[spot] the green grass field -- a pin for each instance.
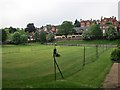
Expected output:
(31, 66)
(113, 42)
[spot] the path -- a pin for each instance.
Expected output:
(113, 78)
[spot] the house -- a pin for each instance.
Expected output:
(104, 23)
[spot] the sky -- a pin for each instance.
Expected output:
(18, 13)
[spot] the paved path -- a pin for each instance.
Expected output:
(113, 78)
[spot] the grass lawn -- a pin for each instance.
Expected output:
(114, 42)
(31, 66)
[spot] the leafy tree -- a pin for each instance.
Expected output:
(3, 35)
(50, 37)
(12, 30)
(111, 33)
(30, 28)
(86, 35)
(77, 23)
(94, 32)
(16, 38)
(66, 28)
(23, 38)
(43, 37)
(37, 36)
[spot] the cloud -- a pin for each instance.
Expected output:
(18, 13)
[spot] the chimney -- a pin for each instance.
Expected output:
(80, 20)
(101, 18)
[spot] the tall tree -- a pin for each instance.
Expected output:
(3, 35)
(111, 33)
(66, 28)
(77, 23)
(94, 32)
(12, 30)
(37, 36)
(30, 28)
(42, 37)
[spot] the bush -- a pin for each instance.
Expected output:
(94, 32)
(115, 55)
(50, 37)
(86, 35)
(16, 38)
(37, 36)
(42, 37)
(3, 35)
(111, 33)
(23, 39)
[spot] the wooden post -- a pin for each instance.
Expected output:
(84, 57)
(54, 67)
(59, 69)
(96, 51)
(55, 63)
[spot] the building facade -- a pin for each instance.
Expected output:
(105, 22)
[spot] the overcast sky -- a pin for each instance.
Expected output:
(18, 13)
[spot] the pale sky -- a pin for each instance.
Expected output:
(18, 13)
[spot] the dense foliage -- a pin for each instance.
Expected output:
(111, 33)
(30, 28)
(50, 37)
(16, 38)
(37, 36)
(3, 35)
(94, 32)
(77, 23)
(66, 28)
(42, 37)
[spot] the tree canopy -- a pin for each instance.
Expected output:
(66, 28)
(30, 28)
(94, 32)
(111, 33)
(3, 35)
(77, 23)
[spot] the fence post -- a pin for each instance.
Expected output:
(96, 51)
(106, 46)
(84, 57)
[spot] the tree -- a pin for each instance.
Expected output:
(77, 23)
(3, 35)
(23, 38)
(16, 38)
(111, 33)
(86, 35)
(66, 28)
(94, 32)
(50, 37)
(12, 30)
(30, 28)
(42, 37)
(37, 36)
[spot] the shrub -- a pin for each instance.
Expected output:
(23, 39)
(115, 55)
(111, 33)
(37, 36)
(42, 37)
(16, 38)
(50, 37)
(3, 35)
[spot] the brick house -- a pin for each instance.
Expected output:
(104, 21)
